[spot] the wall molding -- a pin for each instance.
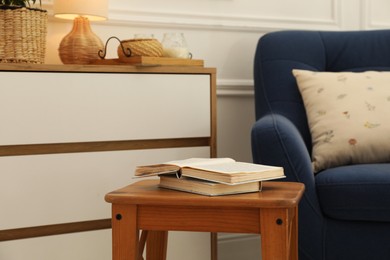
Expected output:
(233, 238)
(214, 21)
(218, 22)
(235, 87)
(367, 22)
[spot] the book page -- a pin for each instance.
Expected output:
(156, 169)
(235, 167)
(200, 162)
(175, 166)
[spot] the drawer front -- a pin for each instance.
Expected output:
(41, 107)
(62, 188)
(55, 189)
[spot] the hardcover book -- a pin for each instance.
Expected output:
(204, 187)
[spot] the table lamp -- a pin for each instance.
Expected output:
(81, 45)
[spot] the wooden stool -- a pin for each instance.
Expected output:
(273, 213)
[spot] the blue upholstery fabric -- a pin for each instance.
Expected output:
(355, 192)
(345, 211)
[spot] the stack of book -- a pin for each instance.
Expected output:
(211, 176)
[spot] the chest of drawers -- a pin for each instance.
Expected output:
(69, 134)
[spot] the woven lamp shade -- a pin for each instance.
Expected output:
(81, 45)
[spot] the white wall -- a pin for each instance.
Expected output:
(224, 33)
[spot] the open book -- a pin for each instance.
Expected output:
(221, 170)
(204, 187)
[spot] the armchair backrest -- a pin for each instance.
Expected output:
(278, 53)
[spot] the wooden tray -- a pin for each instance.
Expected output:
(150, 61)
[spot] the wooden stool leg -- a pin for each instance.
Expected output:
(294, 236)
(156, 246)
(214, 246)
(124, 232)
(277, 238)
(142, 243)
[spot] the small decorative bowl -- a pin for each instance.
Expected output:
(141, 47)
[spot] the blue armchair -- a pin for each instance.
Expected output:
(345, 211)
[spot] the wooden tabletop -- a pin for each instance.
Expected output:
(146, 192)
(25, 67)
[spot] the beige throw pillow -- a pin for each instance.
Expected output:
(348, 115)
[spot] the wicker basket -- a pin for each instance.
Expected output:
(22, 35)
(141, 47)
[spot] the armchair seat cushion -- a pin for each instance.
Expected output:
(356, 192)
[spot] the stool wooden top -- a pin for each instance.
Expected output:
(147, 192)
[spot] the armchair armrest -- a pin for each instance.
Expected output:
(276, 141)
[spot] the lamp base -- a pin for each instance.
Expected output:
(81, 45)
